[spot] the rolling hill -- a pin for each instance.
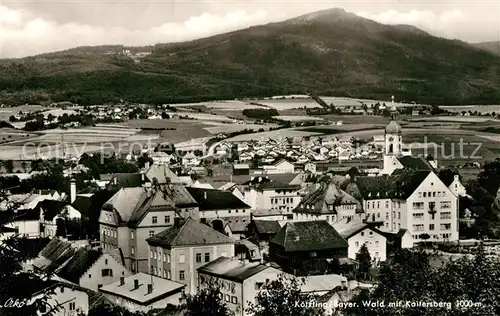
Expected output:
(493, 47)
(330, 52)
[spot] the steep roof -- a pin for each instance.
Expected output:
(190, 233)
(347, 230)
(415, 163)
(267, 227)
(212, 199)
(79, 263)
(397, 186)
(124, 180)
(53, 255)
(232, 269)
(161, 173)
(308, 236)
(237, 224)
(323, 197)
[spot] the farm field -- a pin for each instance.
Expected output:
(200, 116)
(298, 118)
(231, 128)
(289, 104)
(277, 134)
(5, 113)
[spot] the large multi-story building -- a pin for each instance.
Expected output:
(134, 214)
(178, 251)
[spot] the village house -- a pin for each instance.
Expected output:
(70, 300)
(239, 281)
(328, 202)
(219, 205)
(134, 214)
(142, 292)
(357, 234)
(305, 248)
(92, 268)
(177, 252)
(281, 166)
(262, 193)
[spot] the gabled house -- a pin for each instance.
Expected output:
(92, 268)
(358, 233)
(281, 166)
(70, 300)
(134, 214)
(52, 256)
(328, 202)
(306, 248)
(178, 251)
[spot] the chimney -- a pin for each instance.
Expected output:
(122, 281)
(344, 285)
(150, 288)
(136, 284)
(72, 190)
(178, 221)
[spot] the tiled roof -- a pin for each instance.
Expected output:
(396, 186)
(285, 178)
(53, 255)
(211, 199)
(415, 163)
(347, 230)
(161, 173)
(323, 197)
(79, 263)
(267, 227)
(124, 180)
(162, 288)
(190, 233)
(232, 269)
(308, 236)
(133, 203)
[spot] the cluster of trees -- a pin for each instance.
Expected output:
(261, 114)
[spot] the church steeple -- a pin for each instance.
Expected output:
(394, 110)
(393, 139)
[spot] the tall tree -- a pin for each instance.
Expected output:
(283, 297)
(364, 261)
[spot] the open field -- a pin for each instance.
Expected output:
(289, 103)
(5, 113)
(357, 119)
(298, 118)
(200, 116)
(277, 134)
(231, 128)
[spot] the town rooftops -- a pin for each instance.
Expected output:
(189, 233)
(162, 174)
(308, 236)
(212, 199)
(122, 180)
(266, 227)
(233, 269)
(53, 255)
(79, 263)
(347, 230)
(321, 199)
(132, 204)
(161, 288)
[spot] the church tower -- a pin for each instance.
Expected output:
(393, 138)
(393, 142)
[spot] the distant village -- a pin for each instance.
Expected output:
(265, 209)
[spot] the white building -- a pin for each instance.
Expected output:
(281, 166)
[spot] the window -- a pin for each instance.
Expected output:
(357, 244)
(105, 261)
(425, 194)
(420, 194)
(164, 257)
(227, 298)
(168, 275)
(164, 274)
(445, 215)
(434, 194)
(62, 289)
(167, 219)
(418, 227)
(399, 215)
(207, 257)
(107, 272)
(362, 234)
(72, 306)
(234, 300)
(376, 242)
(377, 254)
(387, 215)
(151, 233)
(418, 205)
(445, 204)
(168, 258)
(378, 215)
(258, 285)
(182, 258)
(156, 255)
(198, 257)
(431, 226)
(418, 216)
(181, 275)
(155, 219)
(445, 226)
(90, 276)
(371, 233)
(432, 206)
(152, 254)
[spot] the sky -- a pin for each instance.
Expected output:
(30, 27)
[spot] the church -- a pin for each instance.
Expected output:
(407, 194)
